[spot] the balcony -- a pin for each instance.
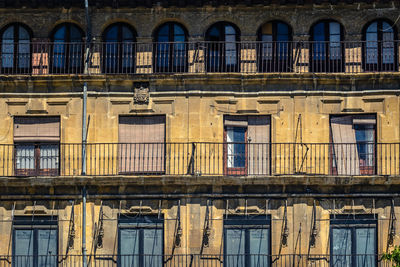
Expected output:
(201, 159)
(38, 58)
(198, 260)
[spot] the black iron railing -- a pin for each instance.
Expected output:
(207, 159)
(52, 58)
(197, 260)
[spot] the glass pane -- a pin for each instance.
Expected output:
(266, 47)
(47, 247)
(365, 247)
(214, 34)
(7, 53)
(178, 30)
(259, 247)
(373, 27)
(75, 34)
(59, 35)
(152, 247)
(319, 32)
(334, 28)
(111, 56)
(341, 247)
(25, 157)
(235, 247)
(129, 247)
(127, 34)
(9, 33)
(59, 54)
(24, 56)
(23, 248)
(112, 34)
(23, 33)
(236, 151)
(229, 30)
(49, 155)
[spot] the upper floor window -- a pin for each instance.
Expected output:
(247, 145)
(140, 240)
(380, 49)
(119, 52)
(68, 49)
(274, 47)
(35, 241)
(222, 48)
(327, 50)
(247, 241)
(353, 240)
(15, 49)
(171, 48)
(354, 146)
(142, 144)
(37, 145)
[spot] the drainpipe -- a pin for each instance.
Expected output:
(84, 130)
(84, 264)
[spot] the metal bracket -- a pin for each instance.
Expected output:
(314, 230)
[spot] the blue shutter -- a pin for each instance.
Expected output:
(235, 248)
(23, 248)
(152, 247)
(129, 247)
(259, 247)
(341, 247)
(365, 247)
(47, 247)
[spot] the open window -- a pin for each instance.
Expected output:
(36, 146)
(380, 47)
(327, 50)
(222, 48)
(35, 241)
(141, 144)
(274, 52)
(353, 240)
(354, 144)
(247, 241)
(247, 145)
(140, 241)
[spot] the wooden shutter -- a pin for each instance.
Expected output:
(33, 129)
(142, 144)
(345, 147)
(258, 134)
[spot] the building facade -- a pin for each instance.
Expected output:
(210, 133)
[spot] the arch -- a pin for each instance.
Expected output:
(171, 47)
(223, 49)
(326, 46)
(15, 39)
(379, 46)
(274, 47)
(67, 49)
(119, 51)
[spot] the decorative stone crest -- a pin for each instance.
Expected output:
(141, 95)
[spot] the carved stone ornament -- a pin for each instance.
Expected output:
(141, 95)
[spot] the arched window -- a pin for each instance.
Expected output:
(15, 49)
(222, 48)
(274, 49)
(119, 51)
(68, 49)
(327, 50)
(171, 48)
(380, 50)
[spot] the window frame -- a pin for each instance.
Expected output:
(120, 48)
(326, 64)
(219, 47)
(247, 222)
(170, 66)
(363, 169)
(379, 66)
(16, 68)
(352, 221)
(153, 221)
(36, 171)
(276, 64)
(67, 44)
(235, 170)
(34, 223)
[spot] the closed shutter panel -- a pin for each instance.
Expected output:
(345, 148)
(259, 137)
(259, 247)
(47, 247)
(142, 144)
(23, 248)
(152, 247)
(33, 129)
(129, 248)
(235, 247)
